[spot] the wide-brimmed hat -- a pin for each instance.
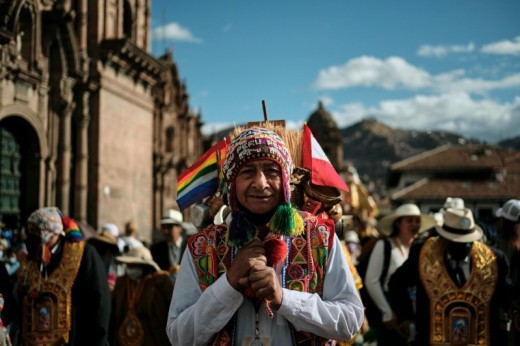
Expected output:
(138, 255)
(172, 217)
(105, 237)
(459, 226)
(510, 210)
(385, 225)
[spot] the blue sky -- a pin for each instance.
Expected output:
(427, 65)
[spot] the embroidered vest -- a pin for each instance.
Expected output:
(458, 316)
(308, 256)
(47, 306)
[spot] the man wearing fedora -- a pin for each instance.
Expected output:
(168, 252)
(460, 284)
(140, 301)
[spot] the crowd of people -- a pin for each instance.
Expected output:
(267, 273)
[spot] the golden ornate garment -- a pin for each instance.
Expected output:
(47, 305)
(458, 316)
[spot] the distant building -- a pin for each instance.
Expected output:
(89, 120)
(484, 176)
(326, 131)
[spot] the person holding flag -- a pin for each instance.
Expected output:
(270, 274)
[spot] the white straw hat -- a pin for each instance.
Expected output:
(385, 225)
(172, 217)
(459, 226)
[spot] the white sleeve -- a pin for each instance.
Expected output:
(339, 314)
(195, 316)
(372, 283)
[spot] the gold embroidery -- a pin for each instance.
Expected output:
(459, 316)
(47, 306)
(131, 331)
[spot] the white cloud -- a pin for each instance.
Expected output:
(504, 47)
(440, 50)
(209, 129)
(395, 72)
(392, 73)
(483, 119)
(475, 85)
(174, 31)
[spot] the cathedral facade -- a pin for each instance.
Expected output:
(90, 121)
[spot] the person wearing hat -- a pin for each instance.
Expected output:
(270, 274)
(508, 227)
(459, 280)
(106, 245)
(63, 291)
(168, 252)
(140, 301)
(398, 230)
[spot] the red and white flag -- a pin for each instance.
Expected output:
(315, 160)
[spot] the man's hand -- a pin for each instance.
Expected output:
(265, 284)
(244, 260)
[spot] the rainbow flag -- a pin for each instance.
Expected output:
(201, 179)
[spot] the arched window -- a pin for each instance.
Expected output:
(24, 36)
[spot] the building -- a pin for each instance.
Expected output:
(327, 133)
(483, 176)
(90, 121)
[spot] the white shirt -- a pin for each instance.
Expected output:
(374, 270)
(195, 317)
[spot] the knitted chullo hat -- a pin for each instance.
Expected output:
(251, 145)
(51, 221)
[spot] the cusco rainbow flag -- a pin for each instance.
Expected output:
(201, 179)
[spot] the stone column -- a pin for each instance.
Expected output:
(65, 145)
(82, 161)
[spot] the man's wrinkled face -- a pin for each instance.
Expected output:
(258, 186)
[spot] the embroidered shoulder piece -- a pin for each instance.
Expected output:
(459, 315)
(47, 306)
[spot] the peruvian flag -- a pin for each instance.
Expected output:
(315, 160)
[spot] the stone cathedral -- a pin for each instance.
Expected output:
(90, 121)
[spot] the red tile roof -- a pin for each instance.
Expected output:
(428, 189)
(456, 158)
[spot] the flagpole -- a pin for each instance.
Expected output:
(264, 108)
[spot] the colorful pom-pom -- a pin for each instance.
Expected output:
(275, 251)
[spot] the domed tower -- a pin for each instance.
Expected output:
(327, 133)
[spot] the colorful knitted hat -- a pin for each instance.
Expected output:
(51, 221)
(259, 144)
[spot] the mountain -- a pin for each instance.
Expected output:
(372, 146)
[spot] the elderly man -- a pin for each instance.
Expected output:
(64, 291)
(461, 283)
(269, 275)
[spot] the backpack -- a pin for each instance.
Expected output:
(372, 312)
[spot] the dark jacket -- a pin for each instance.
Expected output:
(161, 255)
(91, 300)
(407, 276)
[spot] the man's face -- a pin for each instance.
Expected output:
(258, 186)
(171, 232)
